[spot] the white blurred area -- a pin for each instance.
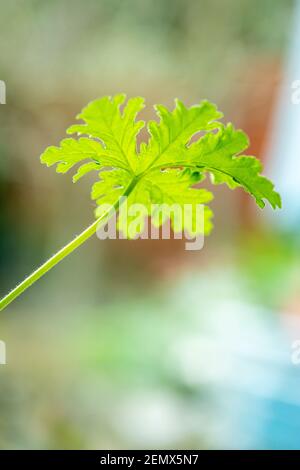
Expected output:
(227, 362)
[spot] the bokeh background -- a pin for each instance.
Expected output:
(141, 344)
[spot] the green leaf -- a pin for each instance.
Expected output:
(110, 187)
(70, 153)
(116, 129)
(175, 187)
(217, 153)
(184, 145)
(170, 189)
(169, 137)
(84, 169)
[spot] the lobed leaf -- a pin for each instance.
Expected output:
(217, 153)
(169, 137)
(117, 130)
(183, 146)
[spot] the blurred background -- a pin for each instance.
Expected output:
(141, 344)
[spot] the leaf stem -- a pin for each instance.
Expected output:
(66, 250)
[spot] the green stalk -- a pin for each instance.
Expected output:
(66, 250)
